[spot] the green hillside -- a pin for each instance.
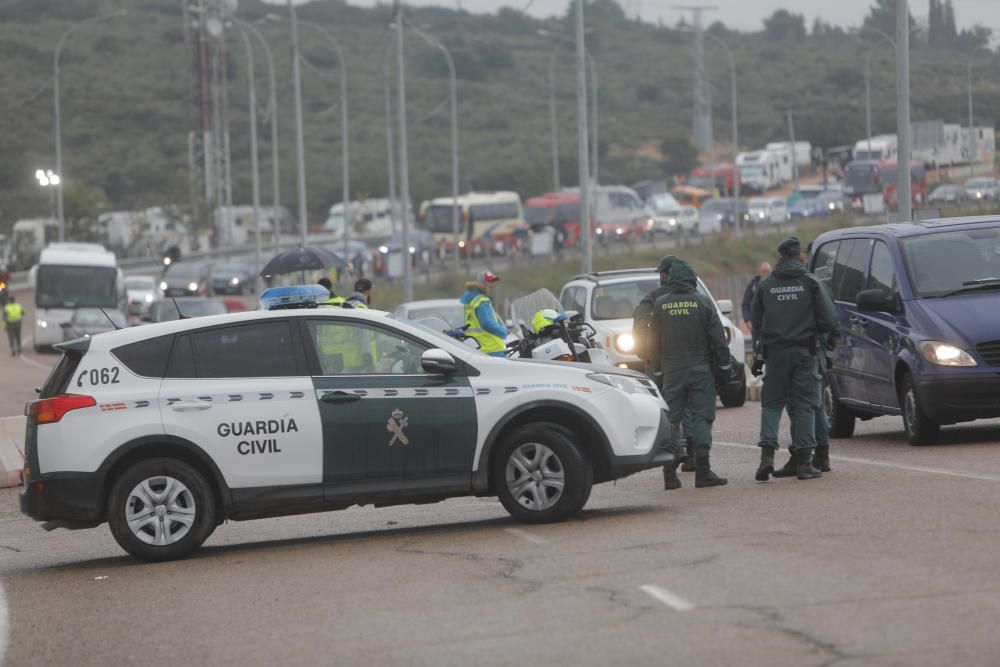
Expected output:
(126, 110)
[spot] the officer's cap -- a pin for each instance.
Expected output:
(785, 247)
(487, 277)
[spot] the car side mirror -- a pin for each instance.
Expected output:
(726, 306)
(873, 301)
(438, 362)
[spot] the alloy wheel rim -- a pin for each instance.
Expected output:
(535, 476)
(160, 510)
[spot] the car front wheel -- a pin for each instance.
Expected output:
(161, 509)
(541, 474)
(920, 430)
(840, 417)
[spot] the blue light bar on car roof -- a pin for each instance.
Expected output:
(293, 296)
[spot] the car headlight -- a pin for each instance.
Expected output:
(148, 298)
(461, 244)
(167, 261)
(626, 383)
(193, 287)
(599, 231)
(624, 343)
(42, 324)
(728, 333)
(383, 249)
(672, 222)
(235, 281)
(945, 354)
(412, 250)
(163, 285)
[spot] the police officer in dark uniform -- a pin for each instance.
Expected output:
(641, 317)
(688, 346)
(790, 310)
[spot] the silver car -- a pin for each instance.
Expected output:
(982, 188)
(141, 291)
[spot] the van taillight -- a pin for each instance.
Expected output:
(51, 410)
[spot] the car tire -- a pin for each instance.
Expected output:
(536, 453)
(186, 515)
(840, 418)
(920, 430)
(734, 397)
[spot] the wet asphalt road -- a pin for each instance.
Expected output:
(890, 559)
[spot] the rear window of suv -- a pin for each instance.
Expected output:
(146, 358)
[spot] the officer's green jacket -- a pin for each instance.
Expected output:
(791, 307)
(685, 330)
(643, 314)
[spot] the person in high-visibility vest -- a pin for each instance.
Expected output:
(334, 300)
(484, 325)
(13, 313)
(362, 296)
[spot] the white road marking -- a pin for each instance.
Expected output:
(4, 623)
(675, 602)
(525, 535)
(889, 464)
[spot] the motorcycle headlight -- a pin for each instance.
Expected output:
(945, 354)
(624, 343)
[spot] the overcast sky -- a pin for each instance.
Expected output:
(740, 14)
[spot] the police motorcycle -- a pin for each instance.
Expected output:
(544, 331)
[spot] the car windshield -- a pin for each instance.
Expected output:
(453, 314)
(536, 215)
(717, 205)
(438, 219)
(978, 183)
(945, 262)
(166, 311)
(140, 283)
(184, 271)
(617, 300)
(226, 269)
(664, 200)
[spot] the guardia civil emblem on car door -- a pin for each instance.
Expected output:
(397, 422)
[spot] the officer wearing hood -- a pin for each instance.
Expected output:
(687, 345)
(790, 310)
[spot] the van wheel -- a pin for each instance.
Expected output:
(839, 416)
(920, 430)
(541, 474)
(734, 397)
(161, 509)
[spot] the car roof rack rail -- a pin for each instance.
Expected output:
(596, 275)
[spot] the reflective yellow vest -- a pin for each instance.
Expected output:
(488, 343)
(13, 312)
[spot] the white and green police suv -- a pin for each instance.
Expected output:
(166, 430)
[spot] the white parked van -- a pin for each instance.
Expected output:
(765, 210)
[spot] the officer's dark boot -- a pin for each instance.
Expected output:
(821, 458)
(790, 469)
(670, 479)
(766, 467)
(703, 475)
(805, 469)
(689, 465)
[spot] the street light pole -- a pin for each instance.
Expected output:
(553, 123)
(300, 151)
(868, 100)
(404, 164)
(254, 171)
(903, 135)
(58, 113)
(453, 91)
(390, 140)
(581, 133)
(273, 112)
(735, 124)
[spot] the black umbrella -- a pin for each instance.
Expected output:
(302, 259)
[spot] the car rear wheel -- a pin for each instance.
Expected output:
(161, 509)
(541, 474)
(920, 430)
(840, 417)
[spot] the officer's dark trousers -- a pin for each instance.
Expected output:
(819, 416)
(14, 337)
(690, 395)
(789, 379)
(685, 419)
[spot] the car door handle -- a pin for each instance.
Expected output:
(340, 397)
(191, 405)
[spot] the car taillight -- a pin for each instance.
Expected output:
(51, 410)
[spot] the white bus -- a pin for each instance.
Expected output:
(69, 276)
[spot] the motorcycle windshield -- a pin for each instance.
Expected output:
(523, 308)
